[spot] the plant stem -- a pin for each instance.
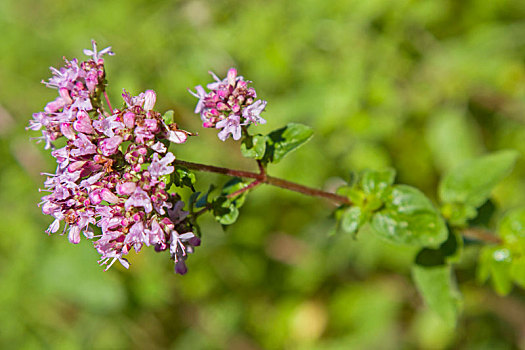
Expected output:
(263, 178)
(255, 183)
(481, 235)
(269, 180)
(109, 103)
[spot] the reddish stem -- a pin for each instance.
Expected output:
(263, 178)
(242, 190)
(107, 101)
(481, 235)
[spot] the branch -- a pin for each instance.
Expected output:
(107, 101)
(481, 235)
(262, 177)
(244, 189)
(269, 180)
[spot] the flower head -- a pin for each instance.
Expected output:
(229, 105)
(109, 172)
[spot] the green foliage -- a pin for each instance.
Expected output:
(512, 230)
(398, 213)
(377, 183)
(409, 217)
(469, 185)
(495, 262)
(371, 78)
(448, 252)
(367, 192)
(351, 219)
(432, 273)
(438, 290)
(168, 117)
(226, 210)
(183, 177)
(282, 141)
(505, 262)
(254, 146)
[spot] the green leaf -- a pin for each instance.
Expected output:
(283, 141)
(438, 290)
(377, 182)
(512, 229)
(471, 182)
(226, 210)
(351, 219)
(254, 146)
(409, 218)
(495, 262)
(168, 117)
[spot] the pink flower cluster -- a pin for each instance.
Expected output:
(229, 106)
(113, 170)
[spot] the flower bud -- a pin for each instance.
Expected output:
(232, 75)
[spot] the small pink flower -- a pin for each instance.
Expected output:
(67, 131)
(159, 167)
(126, 188)
(139, 199)
(129, 120)
(109, 146)
(83, 123)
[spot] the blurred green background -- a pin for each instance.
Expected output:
(417, 85)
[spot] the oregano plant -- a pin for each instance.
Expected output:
(119, 183)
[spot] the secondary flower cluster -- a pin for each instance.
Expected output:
(229, 105)
(112, 171)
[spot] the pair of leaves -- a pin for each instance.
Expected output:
(463, 190)
(398, 213)
(404, 215)
(367, 194)
(276, 145)
(469, 185)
